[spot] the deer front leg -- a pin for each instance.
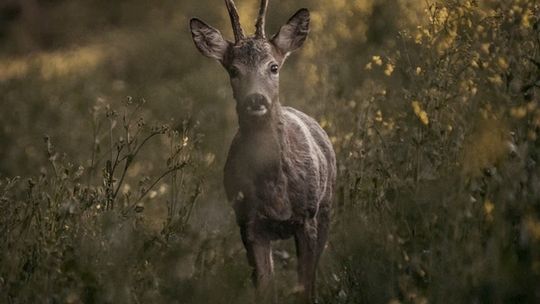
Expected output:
(307, 253)
(259, 255)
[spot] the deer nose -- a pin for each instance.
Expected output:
(256, 104)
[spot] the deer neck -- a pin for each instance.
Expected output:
(262, 142)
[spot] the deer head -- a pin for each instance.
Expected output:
(253, 62)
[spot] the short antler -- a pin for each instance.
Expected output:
(259, 26)
(235, 21)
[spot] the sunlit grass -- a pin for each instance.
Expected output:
(50, 65)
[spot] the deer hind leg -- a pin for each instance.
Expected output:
(259, 255)
(308, 256)
(323, 227)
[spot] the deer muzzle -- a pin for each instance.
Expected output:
(256, 105)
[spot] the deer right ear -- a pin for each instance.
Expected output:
(208, 40)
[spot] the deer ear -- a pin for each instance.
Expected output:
(292, 35)
(208, 40)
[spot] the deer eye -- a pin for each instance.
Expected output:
(234, 72)
(274, 68)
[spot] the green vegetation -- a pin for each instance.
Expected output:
(114, 133)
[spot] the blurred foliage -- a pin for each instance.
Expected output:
(432, 106)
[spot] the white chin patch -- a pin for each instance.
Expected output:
(259, 112)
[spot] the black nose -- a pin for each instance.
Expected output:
(256, 101)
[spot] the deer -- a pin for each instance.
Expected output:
(280, 171)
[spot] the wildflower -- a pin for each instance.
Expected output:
(503, 64)
(368, 66)
(377, 60)
(442, 15)
(488, 208)
(526, 18)
(421, 114)
(496, 79)
(518, 112)
(378, 116)
(485, 48)
(389, 69)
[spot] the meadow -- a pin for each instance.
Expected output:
(114, 133)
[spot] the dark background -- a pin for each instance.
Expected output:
(432, 108)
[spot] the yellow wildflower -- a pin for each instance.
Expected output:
(496, 79)
(421, 114)
(378, 116)
(488, 207)
(368, 66)
(503, 64)
(389, 69)
(526, 19)
(518, 112)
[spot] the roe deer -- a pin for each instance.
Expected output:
(281, 168)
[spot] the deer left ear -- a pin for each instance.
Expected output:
(292, 35)
(208, 40)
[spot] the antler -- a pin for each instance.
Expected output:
(235, 20)
(259, 26)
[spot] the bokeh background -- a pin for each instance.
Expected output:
(114, 131)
